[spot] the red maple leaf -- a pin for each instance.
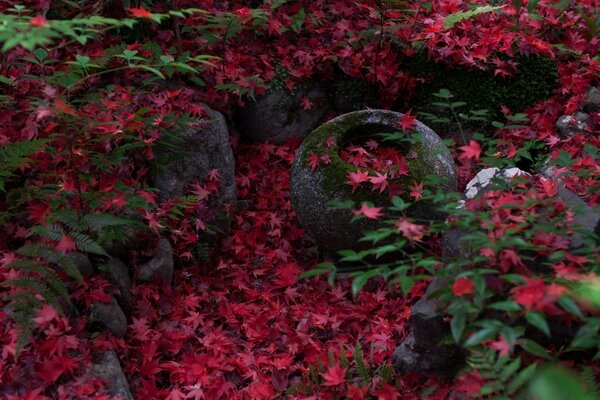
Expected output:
(369, 212)
(334, 376)
(416, 190)
(407, 121)
(306, 103)
(531, 293)
(462, 286)
(65, 244)
(501, 345)
(46, 314)
(313, 161)
(356, 178)
(387, 392)
(330, 142)
(39, 21)
(379, 181)
(412, 232)
(472, 150)
(140, 13)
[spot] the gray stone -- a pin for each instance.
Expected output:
(280, 116)
(569, 125)
(118, 273)
(587, 219)
(160, 265)
(192, 154)
(591, 103)
(487, 176)
(421, 352)
(107, 367)
(132, 236)
(453, 245)
(82, 262)
(312, 191)
(110, 316)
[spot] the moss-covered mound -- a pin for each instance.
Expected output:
(312, 190)
(534, 80)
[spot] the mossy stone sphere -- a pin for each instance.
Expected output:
(312, 190)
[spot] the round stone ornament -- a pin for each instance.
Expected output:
(313, 189)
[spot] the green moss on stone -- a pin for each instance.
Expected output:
(335, 175)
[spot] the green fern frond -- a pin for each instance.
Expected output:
(34, 250)
(26, 264)
(98, 222)
(70, 220)
(343, 358)
(87, 244)
(361, 367)
(66, 264)
(459, 16)
(57, 285)
(52, 232)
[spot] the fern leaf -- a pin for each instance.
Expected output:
(52, 232)
(87, 244)
(459, 16)
(361, 368)
(57, 285)
(66, 264)
(98, 222)
(343, 358)
(521, 379)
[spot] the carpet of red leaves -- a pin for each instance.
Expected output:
(247, 330)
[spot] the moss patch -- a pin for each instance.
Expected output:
(534, 81)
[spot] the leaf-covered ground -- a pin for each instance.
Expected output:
(245, 330)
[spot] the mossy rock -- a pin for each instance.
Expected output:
(535, 79)
(312, 191)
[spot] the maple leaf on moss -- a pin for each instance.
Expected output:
(356, 178)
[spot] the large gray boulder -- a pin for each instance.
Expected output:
(110, 316)
(161, 264)
(188, 157)
(107, 368)
(312, 190)
(279, 115)
(422, 351)
(118, 273)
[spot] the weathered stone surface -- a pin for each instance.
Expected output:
(110, 316)
(421, 351)
(280, 116)
(82, 262)
(312, 191)
(591, 103)
(486, 176)
(133, 236)
(569, 125)
(587, 219)
(160, 265)
(194, 152)
(107, 367)
(118, 273)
